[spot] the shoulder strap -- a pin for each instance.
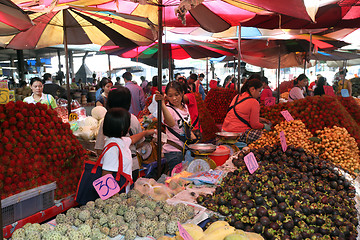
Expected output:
(236, 114)
(120, 168)
(176, 112)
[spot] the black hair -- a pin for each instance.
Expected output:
(127, 76)
(104, 81)
(35, 79)
(116, 122)
(256, 83)
(94, 75)
(300, 78)
(119, 97)
(193, 76)
(47, 76)
(142, 78)
(202, 75)
(226, 80)
(254, 76)
(321, 81)
(117, 78)
(154, 81)
(264, 80)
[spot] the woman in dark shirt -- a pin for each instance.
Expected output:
(319, 90)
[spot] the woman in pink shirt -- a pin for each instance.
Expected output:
(266, 92)
(244, 113)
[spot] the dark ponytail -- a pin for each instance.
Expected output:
(256, 83)
(299, 78)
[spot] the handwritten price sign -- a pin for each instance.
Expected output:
(329, 90)
(287, 115)
(283, 141)
(251, 163)
(183, 233)
(106, 186)
(269, 101)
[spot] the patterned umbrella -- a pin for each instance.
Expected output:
(12, 19)
(83, 27)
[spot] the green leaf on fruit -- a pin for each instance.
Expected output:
(315, 139)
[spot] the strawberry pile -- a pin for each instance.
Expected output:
(37, 148)
(207, 122)
(218, 101)
(316, 112)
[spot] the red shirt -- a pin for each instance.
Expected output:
(248, 110)
(193, 109)
(266, 92)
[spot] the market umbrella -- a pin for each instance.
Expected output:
(214, 15)
(84, 27)
(334, 56)
(12, 19)
(341, 14)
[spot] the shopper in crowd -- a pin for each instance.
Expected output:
(297, 92)
(344, 83)
(154, 83)
(177, 75)
(120, 97)
(244, 113)
(52, 88)
(37, 95)
(266, 92)
(137, 94)
(198, 86)
(116, 127)
(176, 118)
(319, 90)
(106, 87)
(117, 83)
(190, 101)
(100, 87)
(144, 84)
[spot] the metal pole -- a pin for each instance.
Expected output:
(160, 64)
(278, 76)
(20, 57)
(109, 64)
(207, 74)
(239, 57)
(305, 63)
(170, 63)
(1, 223)
(67, 63)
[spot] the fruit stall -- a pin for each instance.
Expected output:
(298, 181)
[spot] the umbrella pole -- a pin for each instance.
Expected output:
(109, 61)
(278, 77)
(170, 66)
(67, 64)
(207, 74)
(239, 57)
(159, 83)
(305, 63)
(1, 223)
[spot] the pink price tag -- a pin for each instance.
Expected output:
(183, 233)
(269, 101)
(287, 115)
(329, 90)
(251, 163)
(106, 186)
(283, 141)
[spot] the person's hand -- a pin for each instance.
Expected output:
(150, 132)
(159, 96)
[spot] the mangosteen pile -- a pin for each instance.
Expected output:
(292, 195)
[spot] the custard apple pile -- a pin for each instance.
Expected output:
(130, 215)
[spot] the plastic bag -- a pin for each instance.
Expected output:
(156, 191)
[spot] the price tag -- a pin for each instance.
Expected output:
(183, 233)
(4, 95)
(283, 141)
(73, 117)
(4, 84)
(251, 163)
(345, 93)
(12, 95)
(269, 101)
(106, 186)
(329, 90)
(287, 115)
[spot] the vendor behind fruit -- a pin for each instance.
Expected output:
(244, 113)
(37, 95)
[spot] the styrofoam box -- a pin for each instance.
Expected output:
(27, 203)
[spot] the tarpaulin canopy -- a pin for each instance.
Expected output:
(12, 19)
(84, 27)
(334, 56)
(212, 15)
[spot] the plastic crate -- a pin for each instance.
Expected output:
(27, 203)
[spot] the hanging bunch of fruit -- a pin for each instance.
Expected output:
(218, 101)
(286, 86)
(336, 144)
(37, 148)
(352, 107)
(292, 195)
(355, 82)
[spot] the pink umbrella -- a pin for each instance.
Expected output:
(12, 19)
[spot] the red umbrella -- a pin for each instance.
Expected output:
(12, 19)
(339, 15)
